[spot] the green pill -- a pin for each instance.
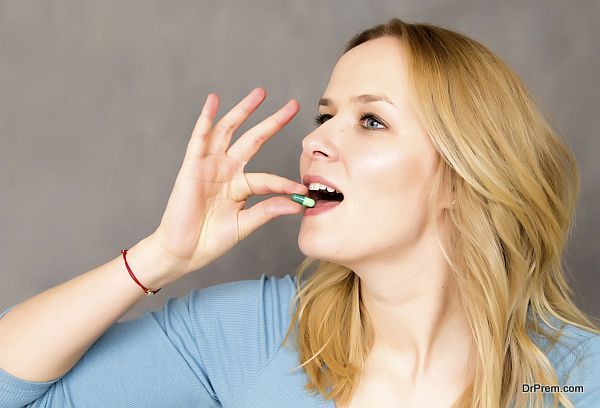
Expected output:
(302, 199)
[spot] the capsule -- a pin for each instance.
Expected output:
(302, 199)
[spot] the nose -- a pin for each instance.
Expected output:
(317, 145)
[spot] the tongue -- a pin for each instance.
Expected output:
(326, 203)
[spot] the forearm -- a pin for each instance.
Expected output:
(43, 337)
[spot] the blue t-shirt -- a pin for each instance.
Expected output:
(220, 347)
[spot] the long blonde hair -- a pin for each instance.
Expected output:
(515, 186)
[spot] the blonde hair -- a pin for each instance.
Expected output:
(515, 186)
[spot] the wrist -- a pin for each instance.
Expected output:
(152, 265)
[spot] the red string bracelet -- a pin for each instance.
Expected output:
(146, 290)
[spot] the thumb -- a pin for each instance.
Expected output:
(250, 219)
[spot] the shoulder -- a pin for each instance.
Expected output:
(247, 289)
(575, 345)
(584, 346)
(238, 327)
(252, 301)
(247, 317)
(576, 359)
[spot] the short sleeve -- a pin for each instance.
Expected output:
(205, 349)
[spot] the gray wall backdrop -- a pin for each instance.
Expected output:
(98, 100)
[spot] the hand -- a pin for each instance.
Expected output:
(205, 215)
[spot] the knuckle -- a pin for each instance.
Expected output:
(230, 126)
(258, 138)
(277, 120)
(261, 138)
(226, 127)
(246, 109)
(267, 211)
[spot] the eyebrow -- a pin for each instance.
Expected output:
(365, 98)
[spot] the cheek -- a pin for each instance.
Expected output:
(391, 187)
(390, 175)
(391, 211)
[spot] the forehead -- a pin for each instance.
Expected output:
(374, 67)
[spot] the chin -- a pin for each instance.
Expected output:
(312, 248)
(319, 250)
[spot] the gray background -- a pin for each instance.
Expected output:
(98, 100)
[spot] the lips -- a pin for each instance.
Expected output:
(321, 207)
(323, 203)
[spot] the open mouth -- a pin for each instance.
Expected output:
(324, 195)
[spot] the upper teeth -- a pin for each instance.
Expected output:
(319, 186)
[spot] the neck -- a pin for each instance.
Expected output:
(417, 315)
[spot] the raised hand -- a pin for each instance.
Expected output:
(205, 215)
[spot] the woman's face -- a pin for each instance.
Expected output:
(380, 165)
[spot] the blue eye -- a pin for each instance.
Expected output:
(321, 117)
(371, 116)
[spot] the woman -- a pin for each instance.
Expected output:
(439, 280)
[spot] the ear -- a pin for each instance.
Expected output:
(451, 206)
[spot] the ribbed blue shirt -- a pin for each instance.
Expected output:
(220, 347)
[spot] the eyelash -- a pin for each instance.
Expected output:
(319, 119)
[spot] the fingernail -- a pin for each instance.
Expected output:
(301, 189)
